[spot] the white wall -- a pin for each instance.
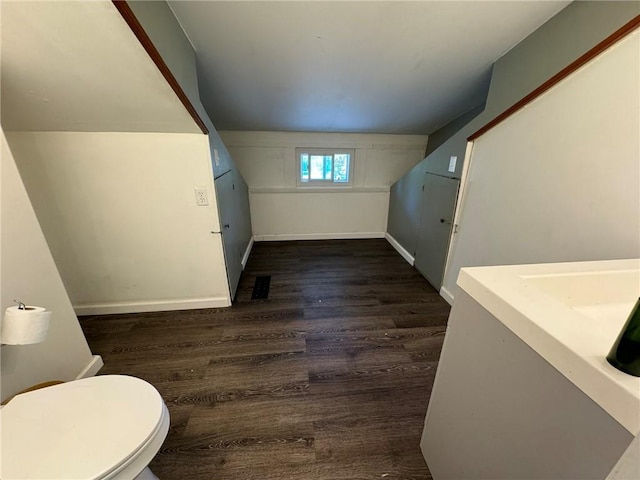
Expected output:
(119, 213)
(559, 180)
(28, 273)
(280, 210)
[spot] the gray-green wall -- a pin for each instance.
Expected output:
(561, 40)
(572, 32)
(441, 135)
(404, 208)
(167, 36)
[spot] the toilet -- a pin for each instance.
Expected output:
(105, 427)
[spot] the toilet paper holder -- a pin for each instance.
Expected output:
(24, 325)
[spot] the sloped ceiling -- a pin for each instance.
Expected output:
(330, 66)
(76, 66)
(341, 66)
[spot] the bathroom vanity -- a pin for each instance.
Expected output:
(523, 389)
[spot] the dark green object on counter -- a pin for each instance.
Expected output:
(625, 353)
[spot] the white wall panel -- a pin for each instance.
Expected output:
(120, 215)
(279, 216)
(279, 208)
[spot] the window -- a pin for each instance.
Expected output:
(325, 167)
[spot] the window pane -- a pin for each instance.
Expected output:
(324, 166)
(328, 167)
(304, 167)
(316, 167)
(341, 167)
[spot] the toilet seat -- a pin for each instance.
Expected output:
(94, 428)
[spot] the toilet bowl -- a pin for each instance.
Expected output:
(105, 427)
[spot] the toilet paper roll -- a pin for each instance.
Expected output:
(24, 326)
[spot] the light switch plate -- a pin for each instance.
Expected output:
(452, 164)
(216, 157)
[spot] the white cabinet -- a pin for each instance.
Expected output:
(513, 397)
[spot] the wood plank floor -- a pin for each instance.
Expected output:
(328, 378)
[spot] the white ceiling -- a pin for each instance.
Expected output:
(77, 66)
(341, 66)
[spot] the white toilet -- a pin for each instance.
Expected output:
(106, 427)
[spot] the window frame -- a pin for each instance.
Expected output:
(324, 151)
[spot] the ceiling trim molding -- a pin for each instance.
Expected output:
(135, 26)
(612, 39)
(332, 190)
(371, 141)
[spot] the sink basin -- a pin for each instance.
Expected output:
(591, 289)
(605, 297)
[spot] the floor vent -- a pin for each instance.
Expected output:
(261, 288)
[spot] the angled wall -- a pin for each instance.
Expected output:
(553, 46)
(28, 273)
(559, 181)
(557, 43)
(164, 30)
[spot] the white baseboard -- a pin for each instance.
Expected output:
(316, 236)
(447, 295)
(157, 306)
(400, 249)
(247, 252)
(91, 368)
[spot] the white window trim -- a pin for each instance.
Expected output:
(324, 183)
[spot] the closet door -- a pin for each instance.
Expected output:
(225, 193)
(438, 207)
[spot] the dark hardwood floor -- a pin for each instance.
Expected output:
(328, 378)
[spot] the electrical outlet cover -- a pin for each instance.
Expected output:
(202, 198)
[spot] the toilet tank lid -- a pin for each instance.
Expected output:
(81, 429)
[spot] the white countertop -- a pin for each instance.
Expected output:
(570, 314)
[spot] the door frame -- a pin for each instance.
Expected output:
(464, 178)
